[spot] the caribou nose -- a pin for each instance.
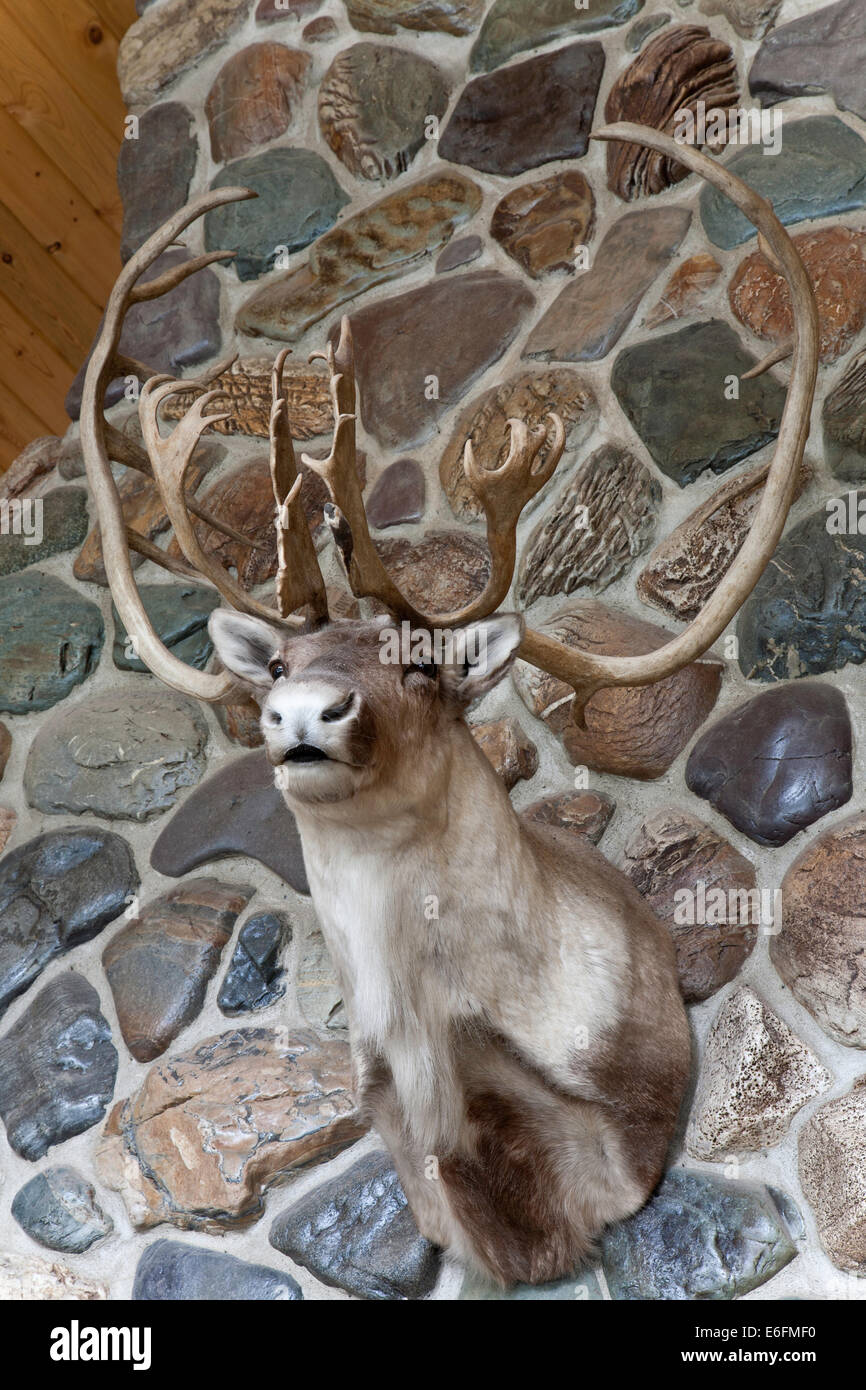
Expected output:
(338, 710)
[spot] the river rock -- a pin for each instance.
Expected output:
(237, 810)
(380, 243)
(168, 39)
(255, 977)
(212, 1128)
(820, 52)
(700, 1237)
(27, 1279)
(821, 948)
(807, 610)
(122, 756)
(674, 391)
(512, 26)
(460, 252)
(835, 259)
(58, 1209)
(593, 528)
(171, 1271)
(50, 641)
(55, 523)
(684, 291)
(833, 1175)
(643, 28)
(820, 171)
(579, 1288)
(158, 967)
(531, 396)
(844, 420)
(317, 988)
(57, 1067)
(320, 30)
(385, 16)
(270, 11)
(439, 573)
(154, 171)
(635, 731)
(356, 1232)
(531, 113)
(542, 224)
(418, 353)
(255, 96)
(580, 813)
(178, 614)
(777, 763)
(57, 891)
(398, 496)
(756, 1075)
(510, 752)
(593, 311)
(271, 226)
(681, 866)
(750, 18)
(374, 103)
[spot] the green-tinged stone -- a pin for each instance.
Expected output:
(513, 26)
(178, 614)
(52, 524)
(50, 641)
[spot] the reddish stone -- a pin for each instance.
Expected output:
(685, 289)
(254, 98)
(542, 224)
(510, 752)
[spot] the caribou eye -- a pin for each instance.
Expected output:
(277, 670)
(425, 668)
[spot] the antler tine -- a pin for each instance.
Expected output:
(115, 544)
(587, 672)
(299, 580)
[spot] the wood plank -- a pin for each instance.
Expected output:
(74, 42)
(32, 370)
(59, 122)
(18, 426)
(49, 205)
(118, 15)
(38, 287)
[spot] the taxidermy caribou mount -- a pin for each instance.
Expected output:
(522, 1047)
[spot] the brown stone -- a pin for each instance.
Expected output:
(750, 18)
(594, 309)
(158, 967)
(530, 396)
(684, 291)
(835, 259)
(443, 571)
(542, 224)
(678, 68)
(254, 98)
(673, 853)
(240, 723)
(508, 749)
(686, 567)
(8, 819)
(581, 813)
(5, 748)
(593, 528)
(820, 952)
(320, 30)
(844, 421)
(212, 1128)
(460, 252)
(32, 466)
(374, 103)
(398, 496)
(632, 731)
(416, 354)
(247, 386)
(169, 38)
(384, 16)
(832, 1162)
(388, 239)
(143, 511)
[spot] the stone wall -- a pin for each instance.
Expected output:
(172, 1032)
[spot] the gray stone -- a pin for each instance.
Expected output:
(57, 891)
(255, 977)
(643, 27)
(61, 519)
(529, 114)
(672, 388)
(178, 614)
(154, 171)
(750, 18)
(298, 199)
(57, 1067)
(700, 1238)
(580, 1288)
(398, 495)
(317, 987)
(170, 1270)
(118, 756)
(593, 311)
(844, 420)
(807, 612)
(170, 38)
(460, 252)
(384, 16)
(58, 1208)
(237, 810)
(50, 641)
(824, 51)
(512, 26)
(819, 171)
(357, 1233)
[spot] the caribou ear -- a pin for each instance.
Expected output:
(244, 645)
(484, 653)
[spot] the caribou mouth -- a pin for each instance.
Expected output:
(306, 753)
